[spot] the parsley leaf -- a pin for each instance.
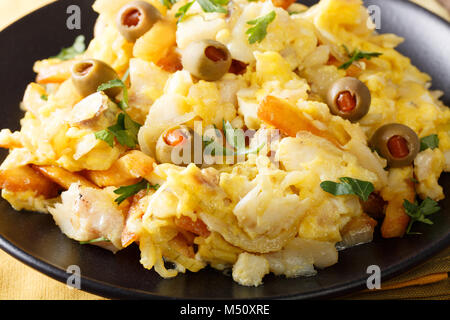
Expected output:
(125, 130)
(126, 75)
(213, 5)
(236, 138)
(430, 142)
(168, 3)
(76, 49)
(44, 97)
(212, 146)
(129, 191)
(420, 212)
(362, 189)
(258, 32)
(114, 84)
(183, 10)
(101, 239)
(357, 55)
(106, 136)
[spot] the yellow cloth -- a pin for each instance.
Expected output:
(429, 280)
(18, 281)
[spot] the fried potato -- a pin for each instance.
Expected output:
(138, 206)
(53, 71)
(156, 43)
(284, 116)
(32, 100)
(63, 177)
(10, 140)
(25, 179)
(170, 62)
(396, 220)
(198, 227)
(127, 170)
(283, 3)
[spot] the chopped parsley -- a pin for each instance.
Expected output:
(115, 84)
(419, 213)
(126, 75)
(429, 142)
(101, 239)
(183, 10)
(168, 3)
(129, 191)
(44, 97)
(106, 136)
(213, 5)
(76, 49)
(125, 130)
(234, 137)
(357, 55)
(414, 180)
(258, 32)
(206, 5)
(347, 186)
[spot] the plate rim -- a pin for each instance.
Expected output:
(107, 290)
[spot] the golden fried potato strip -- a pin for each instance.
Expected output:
(396, 220)
(25, 179)
(283, 3)
(284, 116)
(53, 71)
(63, 177)
(127, 170)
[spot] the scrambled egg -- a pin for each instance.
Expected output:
(267, 213)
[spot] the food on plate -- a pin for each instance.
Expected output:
(252, 136)
(136, 18)
(349, 98)
(208, 60)
(397, 143)
(89, 74)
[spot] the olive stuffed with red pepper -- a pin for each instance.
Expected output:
(397, 143)
(349, 98)
(136, 18)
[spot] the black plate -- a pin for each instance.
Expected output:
(35, 240)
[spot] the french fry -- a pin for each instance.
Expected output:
(137, 209)
(171, 62)
(53, 71)
(127, 170)
(283, 3)
(156, 43)
(25, 179)
(10, 140)
(63, 177)
(284, 116)
(198, 227)
(396, 220)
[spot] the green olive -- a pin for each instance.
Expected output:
(88, 75)
(136, 18)
(208, 60)
(349, 98)
(176, 145)
(397, 143)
